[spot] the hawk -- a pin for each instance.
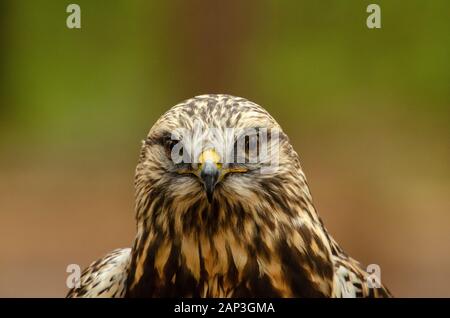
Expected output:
(209, 227)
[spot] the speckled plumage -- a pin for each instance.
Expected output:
(260, 236)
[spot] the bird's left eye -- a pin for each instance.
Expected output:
(246, 148)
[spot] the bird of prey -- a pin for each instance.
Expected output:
(209, 227)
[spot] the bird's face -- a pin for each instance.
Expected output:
(212, 154)
(221, 197)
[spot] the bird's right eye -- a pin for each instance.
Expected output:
(169, 143)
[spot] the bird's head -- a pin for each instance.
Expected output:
(210, 161)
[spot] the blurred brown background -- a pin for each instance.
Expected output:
(367, 110)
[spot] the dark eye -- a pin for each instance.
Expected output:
(169, 144)
(245, 147)
(251, 147)
(247, 143)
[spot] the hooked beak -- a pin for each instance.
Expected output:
(209, 174)
(209, 171)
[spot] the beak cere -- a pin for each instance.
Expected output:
(209, 174)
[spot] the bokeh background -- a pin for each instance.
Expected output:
(367, 110)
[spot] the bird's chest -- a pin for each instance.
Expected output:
(216, 266)
(222, 266)
(208, 267)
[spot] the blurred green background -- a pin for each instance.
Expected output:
(367, 110)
